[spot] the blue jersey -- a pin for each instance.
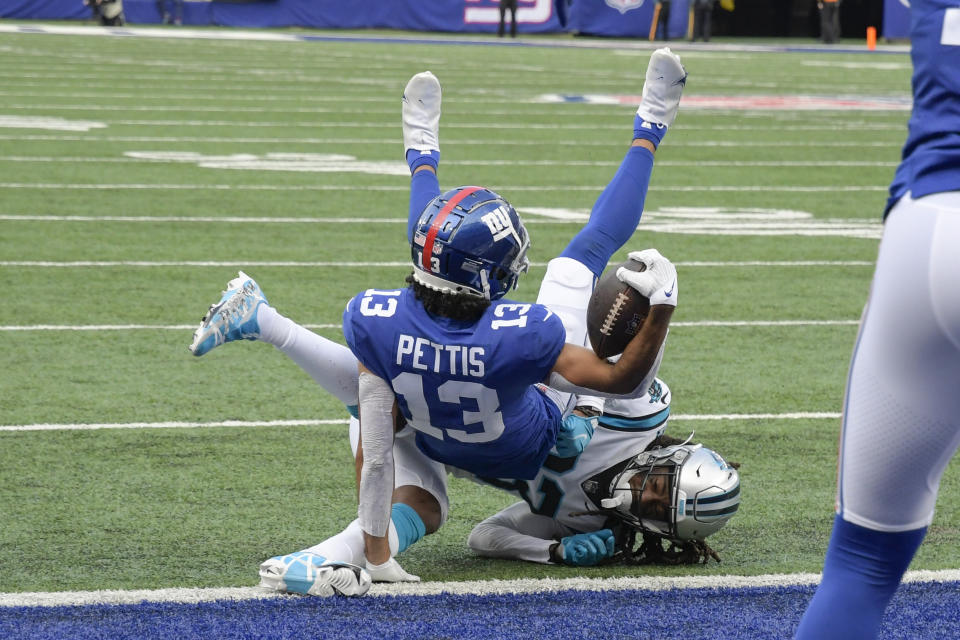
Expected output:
(466, 387)
(931, 155)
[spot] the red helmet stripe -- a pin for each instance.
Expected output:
(438, 222)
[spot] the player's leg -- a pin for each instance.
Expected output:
(516, 533)
(420, 508)
(569, 280)
(243, 313)
(421, 142)
(901, 419)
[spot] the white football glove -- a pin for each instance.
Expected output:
(658, 282)
(390, 571)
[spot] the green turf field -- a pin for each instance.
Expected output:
(116, 234)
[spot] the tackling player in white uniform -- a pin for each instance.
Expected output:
(630, 479)
(901, 422)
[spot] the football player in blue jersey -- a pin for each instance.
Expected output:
(901, 419)
(462, 367)
(631, 480)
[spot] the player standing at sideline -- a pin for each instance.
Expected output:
(901, 422)
(441, 354)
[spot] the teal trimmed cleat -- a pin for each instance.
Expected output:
(311, 575)
(233, 318)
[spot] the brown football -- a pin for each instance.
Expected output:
(616, 311)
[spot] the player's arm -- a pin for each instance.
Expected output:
(583, 371)
(580, 370)
(374, 464)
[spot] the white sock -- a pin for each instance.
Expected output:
(347, 546)
(331, 365)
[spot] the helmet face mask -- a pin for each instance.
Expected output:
(470, 241)
(703, 490)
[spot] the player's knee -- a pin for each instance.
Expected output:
(479, 538)
(422, 504)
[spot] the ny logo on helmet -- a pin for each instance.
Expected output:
(500, 225)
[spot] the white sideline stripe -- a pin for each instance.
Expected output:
(636, 47)
(346, 187)
(472, 587)
(191, 327)
(823, 415)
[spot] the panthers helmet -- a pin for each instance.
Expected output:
(470, 240)
(704, 490)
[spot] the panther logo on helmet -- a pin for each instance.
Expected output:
(470, 241)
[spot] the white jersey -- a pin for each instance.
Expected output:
(526, 530)
(626, 428)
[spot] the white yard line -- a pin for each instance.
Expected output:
(712, 264)
(191, 327)
(398, 187)
(507, 163)
(594, 112)
(472, 587)
(487, 142)
(680, 417)
(486, 126)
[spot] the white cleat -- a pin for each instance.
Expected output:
(421, 113)
(664, 83)
(307, 573)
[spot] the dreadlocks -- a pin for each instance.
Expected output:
(456, 306)
(653, 549)
(656, 549)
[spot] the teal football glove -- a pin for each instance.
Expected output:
(586, 549)
(575, 433)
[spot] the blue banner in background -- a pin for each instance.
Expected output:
(896, 19)
(456, 16)
(44, 9)
(625, 18)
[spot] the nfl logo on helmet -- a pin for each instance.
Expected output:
(624, 5)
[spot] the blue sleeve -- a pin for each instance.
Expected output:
(534, 348)
(552, 339)
(356, 332)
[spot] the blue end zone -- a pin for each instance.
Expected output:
(919, 611)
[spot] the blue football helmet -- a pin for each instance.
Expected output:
(469, 240)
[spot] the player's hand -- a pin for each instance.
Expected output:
(390, 571)
(658, 282)
(587, 549)
(575, 433)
